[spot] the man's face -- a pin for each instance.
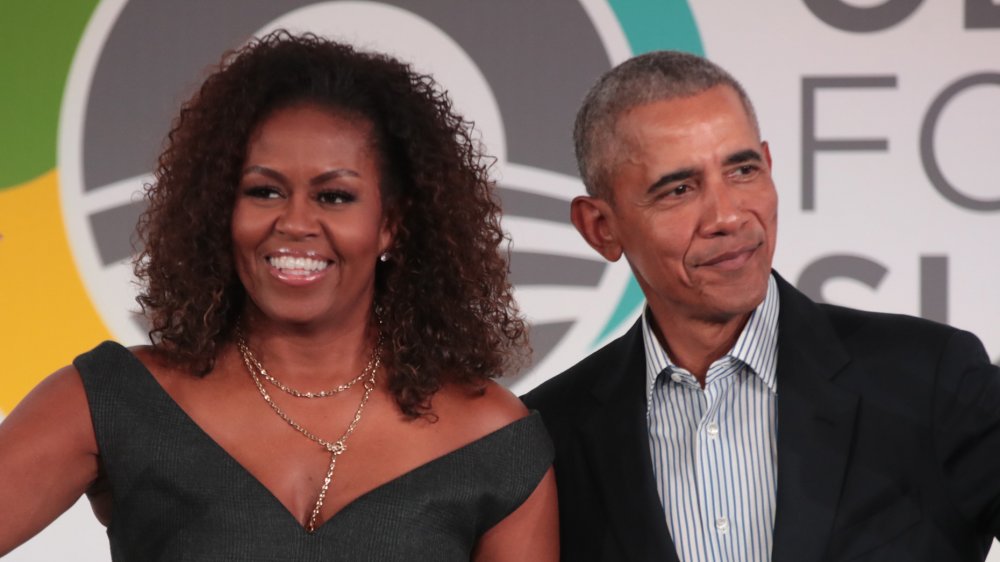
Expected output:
(692, 206)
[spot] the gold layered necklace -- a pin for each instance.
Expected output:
(262, 372)
(335, 448)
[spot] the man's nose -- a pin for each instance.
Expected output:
(723, 208)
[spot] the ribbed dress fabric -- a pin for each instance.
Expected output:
(177, 495)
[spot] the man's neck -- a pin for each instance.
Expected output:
(695, 344)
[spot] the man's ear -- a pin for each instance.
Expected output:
(594, 219)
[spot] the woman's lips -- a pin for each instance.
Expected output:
(297, 269)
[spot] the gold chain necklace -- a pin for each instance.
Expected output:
(297, 393)
(335, 448)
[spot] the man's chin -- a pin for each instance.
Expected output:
(728, 305)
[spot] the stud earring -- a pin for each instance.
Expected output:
(384, 257)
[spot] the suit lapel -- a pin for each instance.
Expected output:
(815, 428)
(617, 449)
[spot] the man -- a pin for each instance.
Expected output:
(737, 420)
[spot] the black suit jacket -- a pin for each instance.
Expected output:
(888, 443)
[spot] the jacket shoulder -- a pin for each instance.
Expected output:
(889, 330)
(906, 349)
(572, 387)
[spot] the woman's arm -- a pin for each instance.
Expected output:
(530, 533)
(48, 457)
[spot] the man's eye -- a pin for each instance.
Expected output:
(679, 190)
(746, 170)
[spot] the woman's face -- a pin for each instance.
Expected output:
(308, 224)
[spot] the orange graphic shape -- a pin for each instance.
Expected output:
(46, 316)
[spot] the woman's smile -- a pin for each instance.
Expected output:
(309, 215)
(297, 269)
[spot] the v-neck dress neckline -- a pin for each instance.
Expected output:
(179, 495)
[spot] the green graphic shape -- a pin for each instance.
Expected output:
(650, 26)
(654, 26)
(37, 43)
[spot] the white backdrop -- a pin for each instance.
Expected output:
(878, 229)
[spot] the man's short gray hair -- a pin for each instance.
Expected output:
(647, 78)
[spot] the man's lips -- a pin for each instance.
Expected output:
(733, 259)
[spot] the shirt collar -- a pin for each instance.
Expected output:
(756, 347)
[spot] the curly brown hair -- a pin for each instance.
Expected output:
(447, 311)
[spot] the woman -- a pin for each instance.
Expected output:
(327, 304)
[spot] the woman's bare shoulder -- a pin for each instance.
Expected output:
(48, 456)
(159, 364)
(55, 413)
(478, 411)
(62, 391)
(151, 357)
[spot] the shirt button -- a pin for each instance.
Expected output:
(676, 377)
(712, 429)
(722, 524)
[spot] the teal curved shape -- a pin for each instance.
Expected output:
(658, 25)
(650, 26)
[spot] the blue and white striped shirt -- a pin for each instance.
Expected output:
(715, 450)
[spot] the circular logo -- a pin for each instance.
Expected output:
(516, 69)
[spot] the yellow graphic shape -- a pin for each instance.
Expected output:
(46, 316)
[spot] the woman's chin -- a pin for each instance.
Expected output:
(302, 315)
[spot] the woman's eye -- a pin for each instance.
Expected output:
(262, 192)
(335, 197)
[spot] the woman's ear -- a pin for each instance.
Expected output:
(387, 232)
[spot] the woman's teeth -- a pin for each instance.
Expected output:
(295, 264)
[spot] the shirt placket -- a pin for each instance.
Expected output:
(681, 391)
(713, 461)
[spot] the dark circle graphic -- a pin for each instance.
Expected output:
(156, 53)
(843, 16)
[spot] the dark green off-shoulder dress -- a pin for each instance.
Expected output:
(177, 495)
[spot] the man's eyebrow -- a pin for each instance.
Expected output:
(748, 155)
(671, 177)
